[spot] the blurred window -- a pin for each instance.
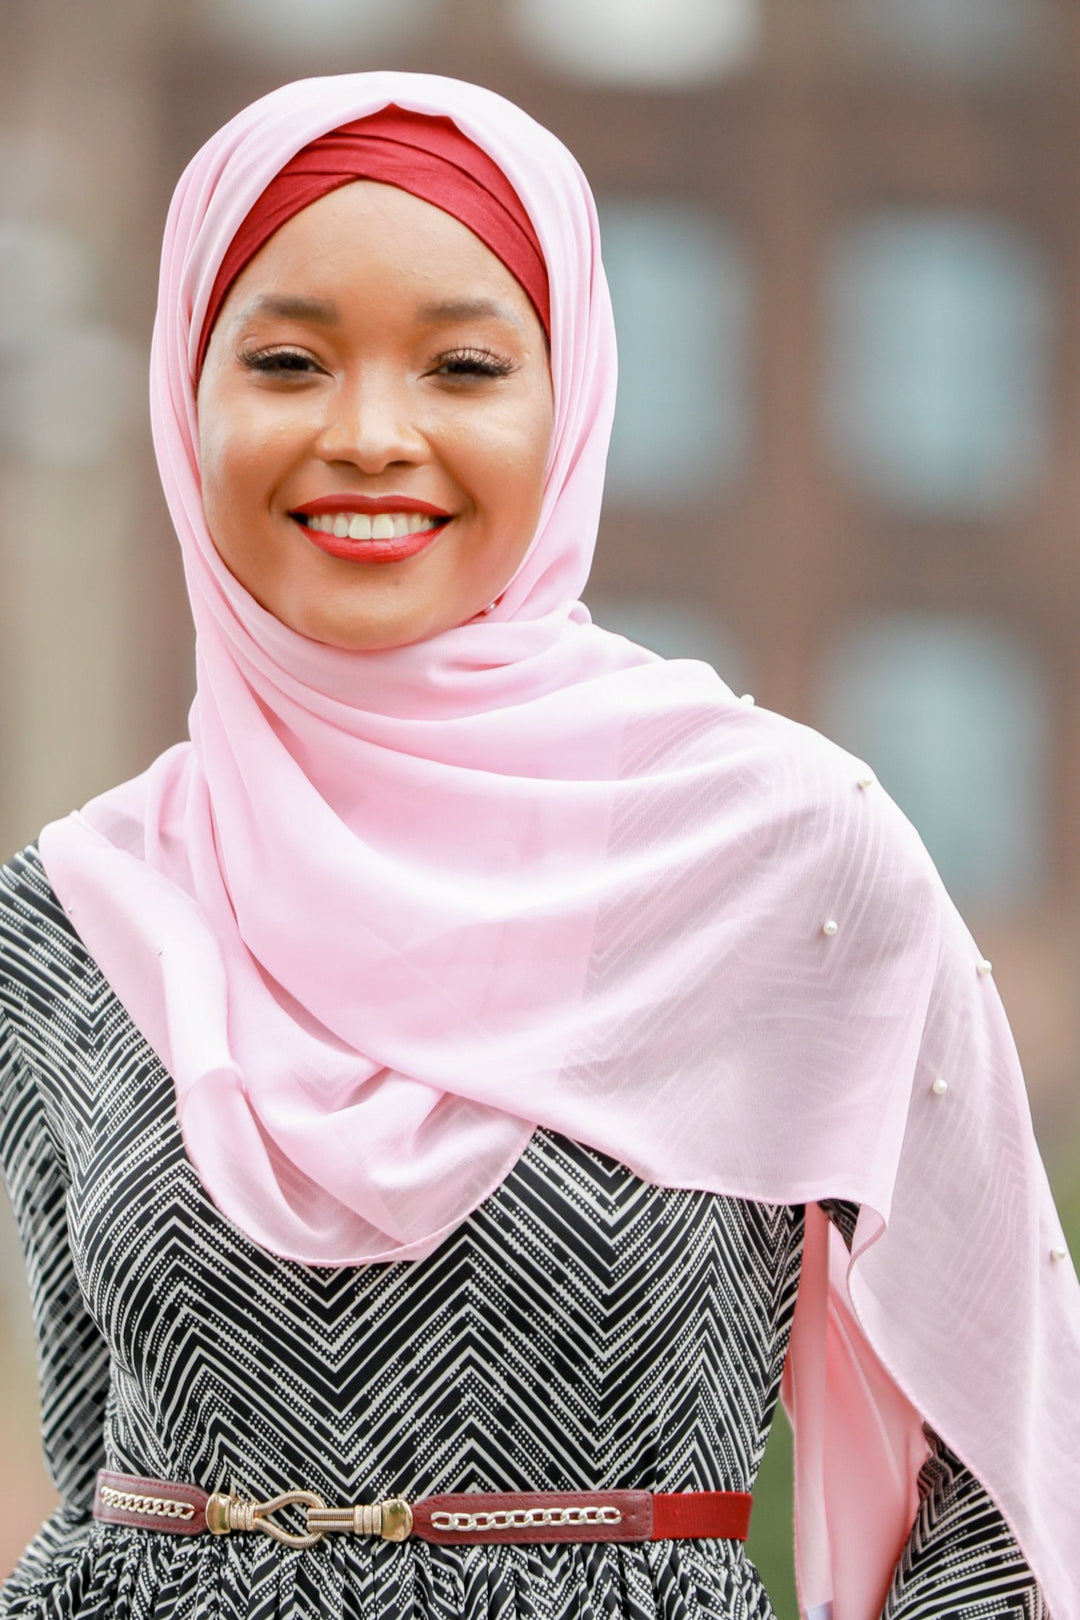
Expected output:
(70, 388)
(663, 42)
(680, 290)
(955, 38)
(45, 277)
(673, 630)
(952, 716)
(71, 396)
(938, 392)
(274, 26)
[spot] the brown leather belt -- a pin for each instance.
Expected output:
(456, 1520)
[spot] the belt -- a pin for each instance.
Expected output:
(462, 1519)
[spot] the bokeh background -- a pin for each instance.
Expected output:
(843, 238)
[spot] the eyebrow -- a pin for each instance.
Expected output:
(466, 309)
(323, 311)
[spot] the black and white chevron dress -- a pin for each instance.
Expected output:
(581, 1329)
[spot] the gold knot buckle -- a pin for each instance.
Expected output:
(392, 1519)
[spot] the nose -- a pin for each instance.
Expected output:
(370, 423)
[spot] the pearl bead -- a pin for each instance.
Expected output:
(830, 928)
(748, 699)
(984, 968)
(1058, 1253)
(866, 781)
(939, 1087)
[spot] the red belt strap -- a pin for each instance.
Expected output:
(460, 1519)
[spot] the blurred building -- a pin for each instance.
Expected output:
(843, 238)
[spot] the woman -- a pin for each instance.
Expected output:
(443, 1073)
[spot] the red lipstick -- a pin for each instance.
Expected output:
(346, 501)
(387, 549)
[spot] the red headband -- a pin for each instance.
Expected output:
(429, 157)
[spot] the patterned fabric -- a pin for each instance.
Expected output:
(581, 1329)
(961, 1558)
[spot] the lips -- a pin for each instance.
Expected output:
(364, 528)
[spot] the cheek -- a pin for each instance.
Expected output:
(212, 463)
(217, 457)
(236, 468)
(517, 466)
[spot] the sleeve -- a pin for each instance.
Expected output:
(960, 1555)
(73, 1361)
(957, 1305)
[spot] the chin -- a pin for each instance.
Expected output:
(363, 637)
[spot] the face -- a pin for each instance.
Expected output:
(374, 420)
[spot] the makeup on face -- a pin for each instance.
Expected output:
(375, 413)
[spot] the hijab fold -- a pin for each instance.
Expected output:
(386, 913)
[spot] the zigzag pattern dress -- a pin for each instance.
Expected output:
(581, 1329)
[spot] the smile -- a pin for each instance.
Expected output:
(363, 526)
(371, 537)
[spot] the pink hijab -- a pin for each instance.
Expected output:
(386, 913)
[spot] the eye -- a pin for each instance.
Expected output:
(473, 363)
(278, 362)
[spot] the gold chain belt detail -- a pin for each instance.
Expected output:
(524, 1518)
(460, 1518)
(392, 1520)
(157, 1506)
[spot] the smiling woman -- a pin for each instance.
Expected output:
(447, 1095)
(375, 392)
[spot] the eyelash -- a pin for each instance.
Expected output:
(473, 363)
(454, 363)
(291, 362)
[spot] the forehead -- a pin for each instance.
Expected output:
(370, 237)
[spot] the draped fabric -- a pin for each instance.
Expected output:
(580, 1329)
(387, 912)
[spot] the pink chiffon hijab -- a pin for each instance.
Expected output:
(387, 913)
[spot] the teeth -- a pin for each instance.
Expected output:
(360, 526)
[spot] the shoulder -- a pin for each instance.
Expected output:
(831, 883)
(804, 866)
(52, 1009)
(820, 810)
(36, 937)
(27, 901)
(40, 961)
